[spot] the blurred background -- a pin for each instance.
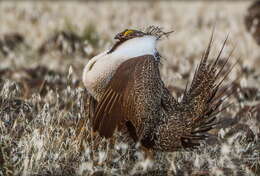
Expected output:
(57, 35)
(44, 46)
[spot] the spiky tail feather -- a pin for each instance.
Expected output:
(203, 99)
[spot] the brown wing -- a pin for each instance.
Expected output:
(119, 103)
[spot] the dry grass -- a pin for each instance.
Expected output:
(43, 102)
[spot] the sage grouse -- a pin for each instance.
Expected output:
(129, 94)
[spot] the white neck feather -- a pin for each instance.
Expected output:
(136, 47)
(101, 68)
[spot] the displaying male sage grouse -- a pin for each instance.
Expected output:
(130, 95)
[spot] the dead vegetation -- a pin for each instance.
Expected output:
(43, 105)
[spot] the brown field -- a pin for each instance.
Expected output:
(43, 49)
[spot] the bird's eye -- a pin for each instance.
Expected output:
(128, 32)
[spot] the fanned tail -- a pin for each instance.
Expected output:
(204, 98)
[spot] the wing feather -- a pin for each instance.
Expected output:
(117, 107)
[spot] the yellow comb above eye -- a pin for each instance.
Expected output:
(129, 31)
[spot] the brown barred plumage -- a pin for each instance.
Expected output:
(136, 100)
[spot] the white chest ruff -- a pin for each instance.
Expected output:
(100, 69)
(96, 79)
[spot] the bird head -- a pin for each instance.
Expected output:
(128, 34)
(132, 33)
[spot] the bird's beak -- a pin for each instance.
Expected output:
(118, 36)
